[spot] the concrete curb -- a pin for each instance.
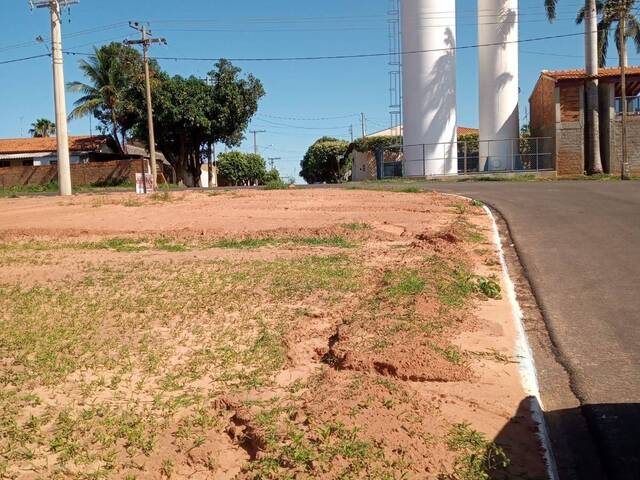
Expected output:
(526, 363)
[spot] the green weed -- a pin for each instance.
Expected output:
(477, 458)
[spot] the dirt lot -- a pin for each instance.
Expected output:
(246, 335)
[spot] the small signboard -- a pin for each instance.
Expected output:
(141, 184)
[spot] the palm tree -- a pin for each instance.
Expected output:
(592, 127)
(610, 12)
(42, 128)
(111, 71)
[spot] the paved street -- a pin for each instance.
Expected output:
(579, 243)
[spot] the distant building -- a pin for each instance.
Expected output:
(18, 152)
(365, 164)
(558, 114)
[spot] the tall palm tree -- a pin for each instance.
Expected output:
(110, 72)
(592, 125)
(610, 12)
(42, 128)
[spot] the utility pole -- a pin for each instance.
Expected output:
(146, 41)
(255, 139)
(363, 121)
(272, 161)
(62, 135)
(351, 132)
(622, 40)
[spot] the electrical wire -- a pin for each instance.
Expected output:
(351, 56)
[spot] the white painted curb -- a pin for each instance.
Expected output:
(526, 363)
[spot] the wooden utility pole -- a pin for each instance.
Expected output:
(146, 41)
(622, 40)
(62, 135)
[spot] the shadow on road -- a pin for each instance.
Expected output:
(598, 442)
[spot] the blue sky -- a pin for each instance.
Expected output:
(261, 28)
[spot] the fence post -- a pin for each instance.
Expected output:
(537, 154)
(424, 161)
(466, 152)
(513, 161)
(444, 162)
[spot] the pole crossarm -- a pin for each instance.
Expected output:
(48, 3)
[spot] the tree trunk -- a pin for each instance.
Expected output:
(592, 112)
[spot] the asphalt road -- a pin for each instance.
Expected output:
(579, 243)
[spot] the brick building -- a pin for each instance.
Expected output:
(557, 112)
(94, 160)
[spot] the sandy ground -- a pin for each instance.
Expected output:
(402, 392)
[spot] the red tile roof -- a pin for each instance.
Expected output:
(43, 145)
(468, 131)
(578, 74)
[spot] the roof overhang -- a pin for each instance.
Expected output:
(17, 156)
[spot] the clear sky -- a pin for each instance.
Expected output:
(300, 94)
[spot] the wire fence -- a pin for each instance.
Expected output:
(471, 157)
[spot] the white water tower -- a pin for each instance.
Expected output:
(429, 87)
(499, 90)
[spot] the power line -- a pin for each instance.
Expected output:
(352, 56)
(307, 119)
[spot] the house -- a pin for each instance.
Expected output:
(95, 160)
(557, 107)
(29, 152)
(365, 165)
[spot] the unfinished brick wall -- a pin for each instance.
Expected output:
(570, 134)
(633, 144)
(81, 174)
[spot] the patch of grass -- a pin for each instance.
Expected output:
(450, 354)
(131, 203)
(116, 244)
(460, 208)
(410, 190)
(160, 197)
(402, 283)
(488, 287)
(167, 245)
(27, 189)
(470, 231)
(313, 452)
(356, 226)
(277, 184)
(245, 243)
(477, 203)
(477, 458)
(335, 241)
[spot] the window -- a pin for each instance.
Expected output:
(5, 163)
(27, 163)
(633, 105)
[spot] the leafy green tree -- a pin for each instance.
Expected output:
(112, 73)
(239, 168)
(610, 12)
(42, 128)
(326, 161)
(190, 114)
